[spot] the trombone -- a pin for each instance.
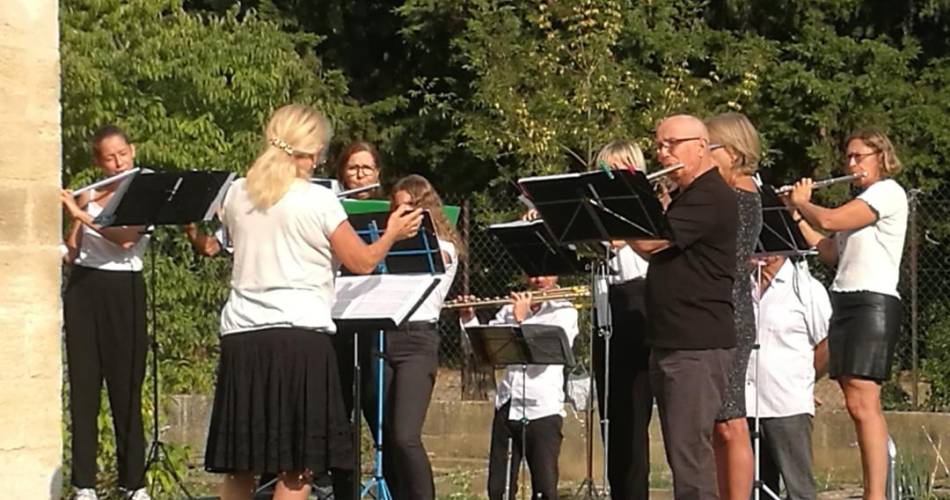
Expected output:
(571, 293)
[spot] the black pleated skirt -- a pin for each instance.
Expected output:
(278, 405)
(863, 334)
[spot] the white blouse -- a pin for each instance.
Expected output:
(97, 252)
(284, 268)
(869, 259)
(432, 306)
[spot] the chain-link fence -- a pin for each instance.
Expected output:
(922, 363)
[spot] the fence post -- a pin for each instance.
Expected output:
(475, 380)
(914, 250)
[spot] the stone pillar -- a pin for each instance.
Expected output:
(31, 418)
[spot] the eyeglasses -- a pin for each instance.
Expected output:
(669, 144)
(363, 170)
(714, 146)
(857, 157)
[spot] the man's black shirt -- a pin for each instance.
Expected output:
(689, 285)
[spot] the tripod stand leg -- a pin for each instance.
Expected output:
(508, 471)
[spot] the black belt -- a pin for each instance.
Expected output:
(416, 326)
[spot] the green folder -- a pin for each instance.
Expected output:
(369, 206)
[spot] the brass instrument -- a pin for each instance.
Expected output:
(824, 183)
(562, 293)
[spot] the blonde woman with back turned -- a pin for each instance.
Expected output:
(278, 403)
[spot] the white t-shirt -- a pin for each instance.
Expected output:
(431, 308)
(793, 318)
(97, 252)
(535, 390)
(869, 259)
(284, 268)
(627, 265)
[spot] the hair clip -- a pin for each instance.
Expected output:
(279, 143)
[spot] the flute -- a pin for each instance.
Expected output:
(824, 183)
(350, 192)
(666, 171)
(106, 182)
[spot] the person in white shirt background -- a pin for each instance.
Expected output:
(533, 393)
(866, 245)
(411, 359)
(630, 405)
(104, 316)
(793, 314)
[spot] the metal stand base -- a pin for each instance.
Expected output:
(378, 481)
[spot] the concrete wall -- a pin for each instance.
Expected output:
(30, 312)
(456, 435)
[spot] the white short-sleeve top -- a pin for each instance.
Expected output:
(869, 259)
(284, 268)
(429, 310)
(97, 252)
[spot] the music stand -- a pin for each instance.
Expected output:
(379, 301)
(780, 236)
(158, 199)
(599, 206)
(534, 249)
(525, 344)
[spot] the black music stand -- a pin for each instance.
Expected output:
(599, 206)
(780, 236)
(534, 249)
(526, 344)
(163, 199)
(416, 259)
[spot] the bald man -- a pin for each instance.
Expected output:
(689, 305)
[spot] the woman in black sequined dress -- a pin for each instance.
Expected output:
(735, 150)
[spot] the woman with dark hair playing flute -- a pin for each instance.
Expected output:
(866, 245)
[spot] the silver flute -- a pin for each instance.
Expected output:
(824, 183)
(666, 171)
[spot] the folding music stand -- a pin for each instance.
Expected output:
(599, 206)
(533, 248)
(527, 344)
(159, 199)
(384, 300)
(779, 236)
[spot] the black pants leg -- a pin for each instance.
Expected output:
(631, 400)
(411, 363)
(542, 447)
(106, 338)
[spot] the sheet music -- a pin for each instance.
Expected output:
(380, 296)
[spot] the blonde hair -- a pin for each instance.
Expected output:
(294, 130)
(424, 196)
(628, 153)
(890, 163)
(735, 132)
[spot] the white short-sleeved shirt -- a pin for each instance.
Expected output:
(793, 318)
(97, 252)
(431, 308)
(869, 259)
(537, 391)
(627, 265)
(284, 268)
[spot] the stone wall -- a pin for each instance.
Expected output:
(30, 222)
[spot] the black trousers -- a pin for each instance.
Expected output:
(631, 400)
(411, 362)
(106, 339)
(542, 446)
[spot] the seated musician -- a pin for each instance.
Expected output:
(533, 393)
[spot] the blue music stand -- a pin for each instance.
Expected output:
(418, 255)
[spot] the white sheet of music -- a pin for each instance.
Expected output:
(381, 296)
